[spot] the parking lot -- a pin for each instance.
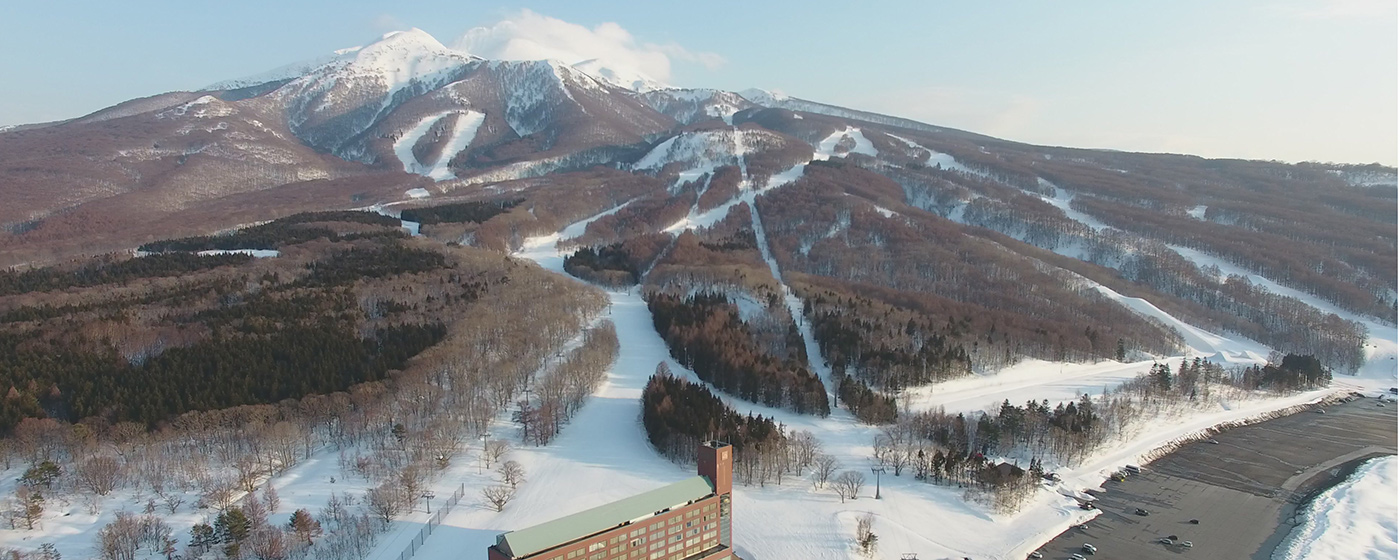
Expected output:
(1242, 490)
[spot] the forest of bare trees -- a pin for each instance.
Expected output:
(392, 435)
(704, 333)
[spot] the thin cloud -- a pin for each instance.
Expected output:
(386, 22)
(531, 36)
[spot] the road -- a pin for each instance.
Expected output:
(1243, 490)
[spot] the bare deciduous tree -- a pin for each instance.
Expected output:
(497, 496)
(271, 500)
(865, 534)
(494, 450)
(120, 539)
(511, 473)
(803, 448)
(266, 543)
(384, 502)
(27, 504)
(100, 475)
(848, 485)
(411, 482)
(824, 466)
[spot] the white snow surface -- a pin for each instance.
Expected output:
(1198, 212)
(1378, 373)
(1353, 520)
(826, 149)
(595, 462)
(394, 61)
(463, 131)
(258, 253)
(940, 159)
(620, 76)
(417, 193)
(602, 455)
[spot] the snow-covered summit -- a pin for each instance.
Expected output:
(621, 77)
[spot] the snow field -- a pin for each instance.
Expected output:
(1355, 519)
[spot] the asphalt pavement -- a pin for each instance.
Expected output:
(1243, 490)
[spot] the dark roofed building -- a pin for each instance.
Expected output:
(690, 519)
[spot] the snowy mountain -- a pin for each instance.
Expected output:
(872, 266)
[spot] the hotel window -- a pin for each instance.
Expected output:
(711, 525)
(596, 546)
(709, 535)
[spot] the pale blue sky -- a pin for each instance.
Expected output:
(1272, 79)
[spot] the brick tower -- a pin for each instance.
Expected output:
(716, 462)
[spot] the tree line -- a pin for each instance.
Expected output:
(111, 270)
(476, 212)
(292, 230)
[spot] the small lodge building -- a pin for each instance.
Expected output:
(687, 520)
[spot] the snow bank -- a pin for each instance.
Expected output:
(259, 253)
(1355, 519)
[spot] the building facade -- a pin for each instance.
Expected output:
(688, 520)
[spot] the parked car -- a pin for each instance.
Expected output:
(1035, 555)
(1165, 540)
(1194, 521)
(1213, 441)
(1089, 548)
(1320, 411)
(1186, 544)
(1141, 512)
(1076, 556)
(1133, 469)
(1086, 505)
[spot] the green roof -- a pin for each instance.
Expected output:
(584, 523)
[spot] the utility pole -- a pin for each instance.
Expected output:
(878, 471)
(482, 458)
(428, 500)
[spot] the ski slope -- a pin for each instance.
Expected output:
(463, 132)
(603, 455)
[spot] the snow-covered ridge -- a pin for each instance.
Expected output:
(1367, 178)
(625, 78)
(394, 61)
